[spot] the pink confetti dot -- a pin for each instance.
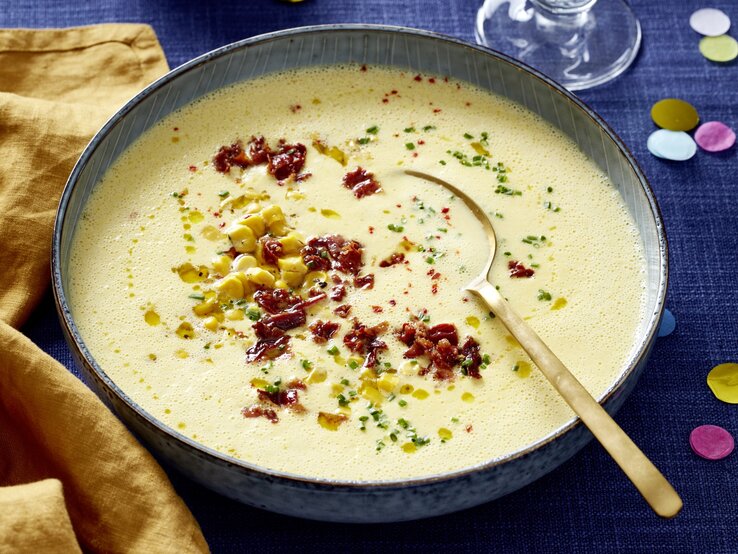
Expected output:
(711, 442)
(714, 136)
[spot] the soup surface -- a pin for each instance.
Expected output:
(257, 272)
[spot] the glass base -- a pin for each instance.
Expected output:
(579, 47)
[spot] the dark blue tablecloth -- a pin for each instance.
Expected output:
(586, 505)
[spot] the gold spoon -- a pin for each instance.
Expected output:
(649, 481)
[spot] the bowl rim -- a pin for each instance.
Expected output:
(74, 337)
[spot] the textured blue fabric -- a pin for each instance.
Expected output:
(586, 505)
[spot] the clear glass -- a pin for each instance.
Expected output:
(578, 43)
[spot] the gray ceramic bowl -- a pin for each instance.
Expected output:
(417, 51)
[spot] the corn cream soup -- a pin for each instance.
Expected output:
(257, 272)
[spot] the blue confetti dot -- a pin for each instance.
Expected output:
(668, 324)
(677, 146)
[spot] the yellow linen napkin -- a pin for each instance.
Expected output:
(71, 475)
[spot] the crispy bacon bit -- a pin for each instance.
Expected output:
(333, 251)
(444, 331)
(286, 311)
(518, 270)
(363, 340)
(445, 210)
(229, 156)
(322, 331)
(472, 358)
(377, 309)
(417, 78)
(296, 384)
(275, 300)
(287, 161)
(361, 182)
(338, 292)
(363, 67)
(295, 108)
(192, 168)
(469, 428)
(285, 321)
(260, 411)
(259, 150)
(343, 310)
(314, 299)
(440, 344)
(287, 397)
(364, 281)
(271, 250)
(272, 343)
(393, 259)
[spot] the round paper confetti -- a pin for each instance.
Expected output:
(710, 22)
(714, 136)
(719, 49)
(671, 145)
(674, 114)
(723, 382)
(711, 442)
(668, 324)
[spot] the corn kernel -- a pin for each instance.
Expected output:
(272, 213)
(243, 262)
(371, 393)
(387, 382)
(242, 238)
(256, 223)
(234, 315)
(230, 287)
(204, 308)
(221, 264)
(260, 276)
(293, 264)
(292, 243)
(211, 324)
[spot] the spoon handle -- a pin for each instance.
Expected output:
(649, 481)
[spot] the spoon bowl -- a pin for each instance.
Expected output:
(649, 481)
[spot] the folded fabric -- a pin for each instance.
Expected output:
(71, 476)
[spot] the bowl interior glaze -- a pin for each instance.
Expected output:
(413, 50)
